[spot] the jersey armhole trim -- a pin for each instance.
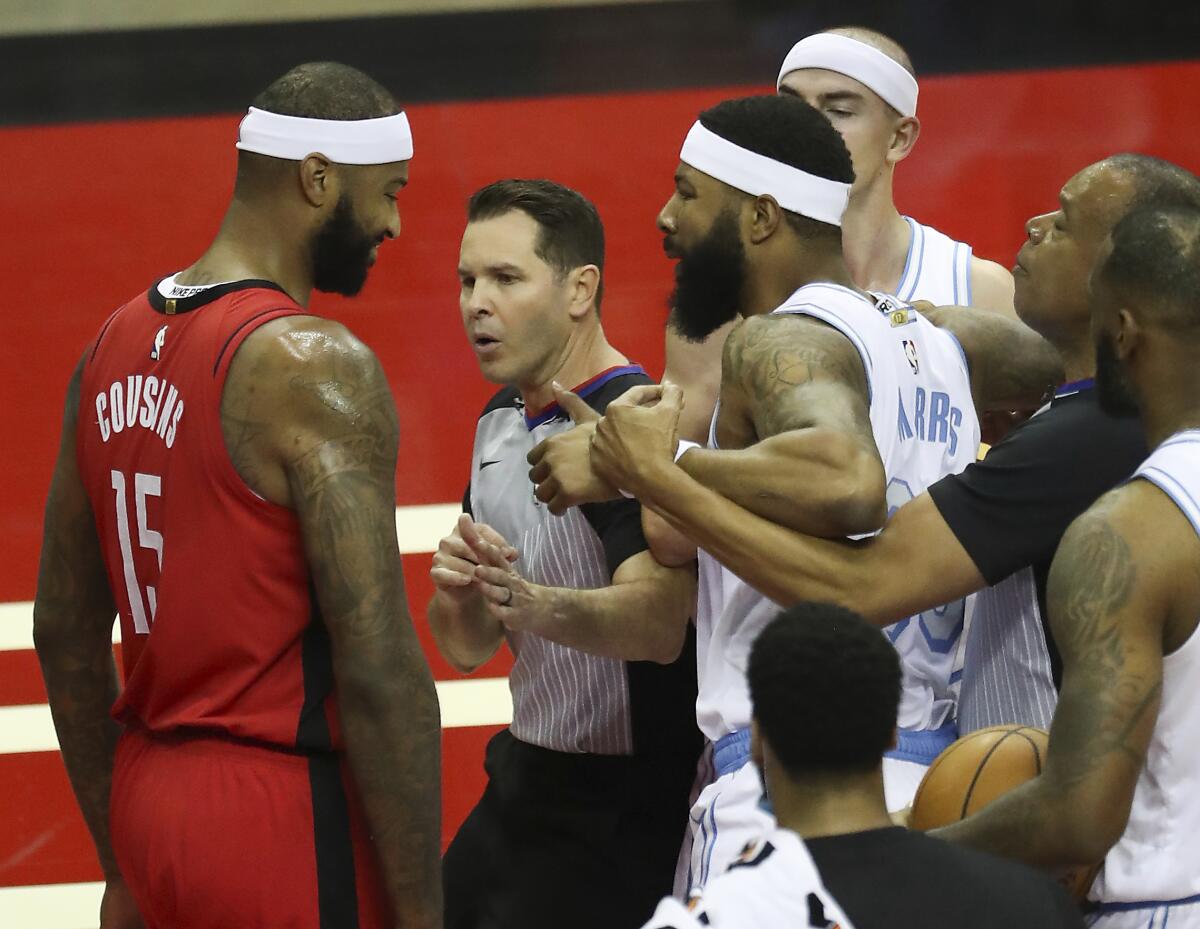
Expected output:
(966, 272)
(813, 311)
(961, 353)
(1179, 495)
(274, 313)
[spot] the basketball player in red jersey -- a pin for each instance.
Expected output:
(226, 482)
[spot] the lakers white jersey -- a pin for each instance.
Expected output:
(1158, 856)
(937, 269)
(925, 427)
(774, 885)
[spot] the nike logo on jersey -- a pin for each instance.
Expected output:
(160, 339)
(488, 464)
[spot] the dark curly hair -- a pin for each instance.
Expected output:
(825, 685)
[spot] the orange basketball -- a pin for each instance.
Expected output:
(977, 769)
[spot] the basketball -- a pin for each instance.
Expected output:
(977, 769)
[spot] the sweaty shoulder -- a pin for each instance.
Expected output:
(789, 348)
(295, 381)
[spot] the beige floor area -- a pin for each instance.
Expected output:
(41, 17)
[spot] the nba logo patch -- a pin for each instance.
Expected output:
(910, 352)
(160, 339)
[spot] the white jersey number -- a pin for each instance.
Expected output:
(144, 485)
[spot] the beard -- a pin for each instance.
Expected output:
(1113, 390)
(341, 252)
(709, 279)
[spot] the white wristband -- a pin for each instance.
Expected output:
(681, 449)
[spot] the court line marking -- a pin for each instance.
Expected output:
(418, 530)
(53, 906)
(483, 702)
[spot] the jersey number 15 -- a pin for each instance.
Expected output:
(144, 485)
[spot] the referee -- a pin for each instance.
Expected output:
(588, 789)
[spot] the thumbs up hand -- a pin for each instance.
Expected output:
(561, 467)
(637, 438)
(573, 405)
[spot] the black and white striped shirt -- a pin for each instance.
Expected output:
(565, 699)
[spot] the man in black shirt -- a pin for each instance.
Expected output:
(999, 521)
(825, 687)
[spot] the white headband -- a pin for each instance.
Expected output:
(858, 60)
(795, 190)
(344, 141)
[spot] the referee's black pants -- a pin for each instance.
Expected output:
(567, 840)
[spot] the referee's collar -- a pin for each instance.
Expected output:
(1075, 387)
(586, 389)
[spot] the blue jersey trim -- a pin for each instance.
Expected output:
(1075, 387)
(957, 246)
(920, 265)
(1179, 494)
(731, 752)
(554, 411)
(835, 322)
(922, 746)
(1095, 906)
(962, 354)
(970, 288)
(912, 240)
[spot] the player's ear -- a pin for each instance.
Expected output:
(756, 744)
(766, 216)
(904, 138)
(318, 180)
(895, 739)
(1128, 333)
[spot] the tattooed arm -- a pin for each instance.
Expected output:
(1012, 367)
(795, 429)
(73, 617)
(1108, 598)
(326, 425)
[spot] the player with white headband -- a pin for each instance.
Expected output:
(835, 406)
(863, 82)
(227, 484)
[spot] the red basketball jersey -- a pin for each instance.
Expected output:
(219, 626)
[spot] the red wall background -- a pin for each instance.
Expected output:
(93, 212)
